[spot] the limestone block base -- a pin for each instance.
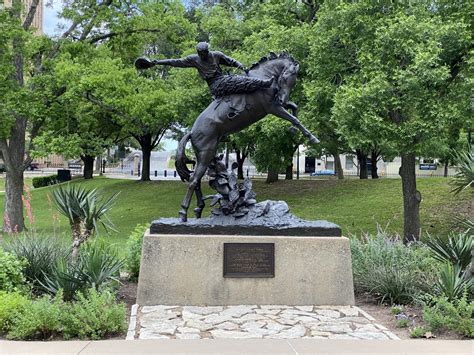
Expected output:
(188, 270)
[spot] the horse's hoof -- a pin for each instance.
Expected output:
(198, 212)
(183, 215)
(313, 140)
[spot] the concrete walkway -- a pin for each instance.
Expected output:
(240, 346)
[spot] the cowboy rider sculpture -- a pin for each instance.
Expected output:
(208, 65)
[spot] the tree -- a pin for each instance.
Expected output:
(399, 57)
(29, 85)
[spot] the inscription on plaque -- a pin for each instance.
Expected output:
(249, 260)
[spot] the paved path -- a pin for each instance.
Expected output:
(245, 322)
(240, 346)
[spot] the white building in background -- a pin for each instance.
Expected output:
(425, 167)
(37, 19)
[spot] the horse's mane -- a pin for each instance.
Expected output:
(273, 56)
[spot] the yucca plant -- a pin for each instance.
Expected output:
(464, 177)
(97, 267)
(85, 210)
(41, 254)
(456, 249)
(453, 282)
(65, 277)
(100, 265)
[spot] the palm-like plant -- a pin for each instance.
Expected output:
(464, 177)
(456, 249)
(453, 282)
(98, 267)
(85, 210)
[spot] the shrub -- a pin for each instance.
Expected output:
(403, 322)
(389, 270)
(11, 276)
(41, 319)
(11, 306)
(94, 315)
(456, 315)
(453, 282)
(456, 249)
(418, 332)
(41, 253)
(396, 310)
(42, 181)
(98, 267)
(134, 251)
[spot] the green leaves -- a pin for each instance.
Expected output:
(464, 178)
(84, 207)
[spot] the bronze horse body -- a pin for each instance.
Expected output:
(234, 113)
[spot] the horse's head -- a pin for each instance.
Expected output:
(281, 66)
(286, 81)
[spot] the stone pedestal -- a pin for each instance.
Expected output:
(179, 269)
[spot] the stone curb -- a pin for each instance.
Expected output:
(132, 325)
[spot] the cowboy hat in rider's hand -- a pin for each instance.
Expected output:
(144, 63)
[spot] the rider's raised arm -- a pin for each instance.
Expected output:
(186, 62)
(230, 62)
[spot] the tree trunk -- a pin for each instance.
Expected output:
(362, 160)
(289, 172)
(88, 166)
(13, 220)
(240, 163)
(272, 175)
(446, 166)
(411, 199)
(13, 152)
(373, 159)
(146, 156)
(338, 166)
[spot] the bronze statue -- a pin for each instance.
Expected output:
(208, 65)
(239, 101)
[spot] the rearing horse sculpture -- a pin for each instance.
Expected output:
(234, 113)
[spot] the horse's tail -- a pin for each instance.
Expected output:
(181, 159)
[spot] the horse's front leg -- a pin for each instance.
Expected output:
(293, 107)
(279, 111)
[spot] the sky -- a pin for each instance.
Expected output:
(50, 28)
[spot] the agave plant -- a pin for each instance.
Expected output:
(453, 282)
(456, 249)
(85, 210)
(464, 178)
(97, 267)
(41, 252)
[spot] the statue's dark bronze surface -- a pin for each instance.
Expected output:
(263, 218)
(239, 101)
(249, 260)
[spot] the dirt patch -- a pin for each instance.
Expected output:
(128, 294)
(384, 316)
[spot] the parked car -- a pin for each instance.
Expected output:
(323, 172)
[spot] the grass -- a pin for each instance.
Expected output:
(356, 205)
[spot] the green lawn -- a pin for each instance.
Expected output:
(356, 205)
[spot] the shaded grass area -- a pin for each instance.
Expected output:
(356, 205)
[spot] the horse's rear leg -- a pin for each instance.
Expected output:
(200, 201)
(204, 158)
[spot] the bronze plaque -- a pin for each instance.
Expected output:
(249, 260)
